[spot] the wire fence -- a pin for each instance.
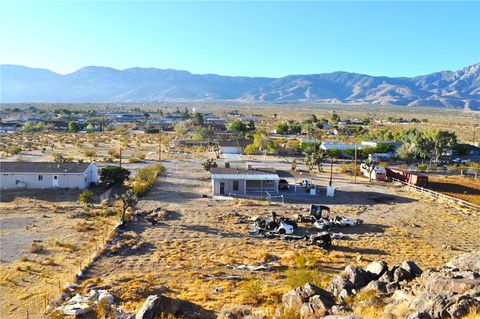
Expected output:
(261, 196)
(433, 194)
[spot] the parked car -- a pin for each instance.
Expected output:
(458, 160)
(283, 184)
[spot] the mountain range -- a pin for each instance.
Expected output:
(452, 89)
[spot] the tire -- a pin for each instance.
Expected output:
(282, 231)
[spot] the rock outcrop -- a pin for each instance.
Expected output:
(448, 292)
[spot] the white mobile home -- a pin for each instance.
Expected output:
(41, 175)
(226, 181)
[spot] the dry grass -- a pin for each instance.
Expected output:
(457, 186)
(42, 269)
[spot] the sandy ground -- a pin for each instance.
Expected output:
(202, 239)
(30, 278)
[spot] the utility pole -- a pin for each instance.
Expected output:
(355, 168)
(331, 172)
(474, 133)
(159, 143)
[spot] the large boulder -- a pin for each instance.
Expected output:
(377, 286)
(158, 305)
(359, 277)
(295, 298)
(445, 305)
(377, 268)
(317, 306)
(466, 262)
(412, 268)
(340, 284)
(444, 283)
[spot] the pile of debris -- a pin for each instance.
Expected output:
(154, 215)
(450, 291)
(321, 219)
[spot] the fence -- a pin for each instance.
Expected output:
(262, 196)
(430, 193)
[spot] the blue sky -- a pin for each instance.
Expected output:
(243, 38)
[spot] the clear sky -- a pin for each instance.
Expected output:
(243, 38)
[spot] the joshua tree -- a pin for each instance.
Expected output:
(129, 199)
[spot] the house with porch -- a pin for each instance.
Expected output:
(244, 181)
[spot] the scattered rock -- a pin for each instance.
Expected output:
(339, 284)
(377, 268)
(357, 276)
(318, 306)
(296, 297)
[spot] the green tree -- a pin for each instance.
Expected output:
(282, 128)
(112, 175)
(407, 152)
(295, 128)
(73, 127)
(89, 128)
(198, 119)
(334, 153)
(334, 118)
(433, 144)
(238, 126)
(181, 129)
(28, 127)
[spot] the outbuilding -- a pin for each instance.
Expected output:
(41, 175)
(238, 181)
(233, 147)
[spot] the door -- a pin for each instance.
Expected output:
(222, 188)
(20, 180)
(55, 180)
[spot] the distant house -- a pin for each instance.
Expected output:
(233, 147)
(226, 181)
(40, 175)
(337, 145)
(9, 126)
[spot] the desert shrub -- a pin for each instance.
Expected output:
(86, 197)
(422, 167)
(36, 248)
(114, 153)
(90, 153)
(251, 291)
(146, 178)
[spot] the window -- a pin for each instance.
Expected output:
(55, 177)
(235, 185)
(40, 177)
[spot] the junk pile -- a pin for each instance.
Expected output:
(321, 219)
(284, 228)
(154, 215)
(273, 225)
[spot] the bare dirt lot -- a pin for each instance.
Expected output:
(43, 245)
(193, 253)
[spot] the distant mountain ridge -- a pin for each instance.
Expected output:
(453, 89)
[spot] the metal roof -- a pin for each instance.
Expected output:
(43, 167)
(257, 174)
